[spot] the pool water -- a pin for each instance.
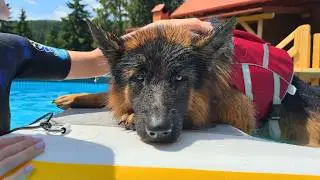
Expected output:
(32, 99)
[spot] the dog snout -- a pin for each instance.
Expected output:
(159, 124)
(160, 127)
(159, 134)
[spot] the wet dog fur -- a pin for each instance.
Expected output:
(165, 79)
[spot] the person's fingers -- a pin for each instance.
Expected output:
(17, 147)
(5, 141)
(193, 24)
(26, 155)
(203, 26)
(21, 173)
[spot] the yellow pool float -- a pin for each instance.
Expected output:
(96, 148)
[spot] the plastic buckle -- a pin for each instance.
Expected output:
(273, 122)
(292, 89)
(276, 112)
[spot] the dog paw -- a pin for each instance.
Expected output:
(127, 121)
(67, 101)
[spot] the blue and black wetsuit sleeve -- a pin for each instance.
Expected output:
(43, 62)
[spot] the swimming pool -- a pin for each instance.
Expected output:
(31, 99)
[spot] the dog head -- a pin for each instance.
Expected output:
(163, 70)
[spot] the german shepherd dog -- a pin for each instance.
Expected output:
(164, 80)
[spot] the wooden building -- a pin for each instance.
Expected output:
(271, 19)
(293, 25)
(287, 24)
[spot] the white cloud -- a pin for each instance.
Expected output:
(56, 14)
(15, 13)
(93, 4)
(31, 1)
(59, 12)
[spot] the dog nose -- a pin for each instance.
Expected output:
(159, 134)
(159, 125)
(161, 128)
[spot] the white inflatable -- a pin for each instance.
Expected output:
(96, 148)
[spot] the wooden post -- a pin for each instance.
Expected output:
(302, 43)
(260, 28)
(316, 51)
(286, 40)
(246, 26)
(243, 21)
(316, 55)
(257, 17)
(301, 52)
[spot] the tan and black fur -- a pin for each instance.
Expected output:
(143, 92)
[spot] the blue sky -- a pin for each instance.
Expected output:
(44, 9)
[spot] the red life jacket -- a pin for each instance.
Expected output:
(261, 71)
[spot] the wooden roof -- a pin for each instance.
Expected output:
(195, 7)
(200, 8)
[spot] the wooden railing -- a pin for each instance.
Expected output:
(316, 58)
(243, 21)
(304, 67)
(301, 49)
(316, 51)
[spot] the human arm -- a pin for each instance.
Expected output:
(87, 64)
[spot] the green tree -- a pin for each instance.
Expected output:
(117, 15)
(6, 26)
(76, 33)
(113, 15)
(41, 30)
(139, 11)
(53, 38)
(171, 5)
(103, 19)
(22, 27)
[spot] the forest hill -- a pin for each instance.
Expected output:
(72, 32)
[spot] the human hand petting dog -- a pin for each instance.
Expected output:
(195, 26)
(15, 152)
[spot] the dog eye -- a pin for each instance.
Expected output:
(178, 77)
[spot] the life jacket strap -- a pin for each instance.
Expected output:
(273, 122)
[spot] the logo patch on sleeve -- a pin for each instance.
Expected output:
(61, 53)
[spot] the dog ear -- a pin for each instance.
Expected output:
(219, 39)
(110, 45)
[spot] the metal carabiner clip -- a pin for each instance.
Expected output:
(53, 127)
